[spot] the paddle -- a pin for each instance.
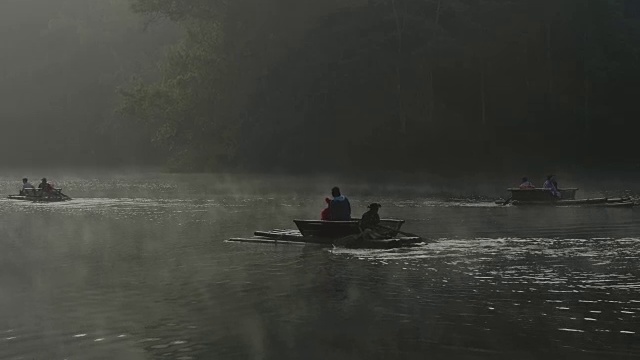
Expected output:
(398, 231)
(344, 241)
(507, 201)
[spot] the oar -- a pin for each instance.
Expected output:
(507, 201)
(346, 240)
(398, 231)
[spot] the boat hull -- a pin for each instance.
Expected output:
(339, 229)
(597, 202)
(541, 194)
(38, 198)
(544, 197)
(38, 195)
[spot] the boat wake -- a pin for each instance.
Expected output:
(598, 249)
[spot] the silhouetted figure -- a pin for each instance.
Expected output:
(26, 187)
(45, 186)
(552, 185)
(371, 218)
(369, 221)
(340, 208)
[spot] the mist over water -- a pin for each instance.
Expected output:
(137, 266)
(431, 108)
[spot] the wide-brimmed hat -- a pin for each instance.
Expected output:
(374, 205)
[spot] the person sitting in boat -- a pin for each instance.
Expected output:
(326, 213)
(26, 187)
(339, 207)
(369, 221)
(45, 186)
(526, 184)
(552, 185)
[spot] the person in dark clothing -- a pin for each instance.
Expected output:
(326, 213)
(371, 218)
(45, 186)
(369, 221)
(339, 207)
(552, 185)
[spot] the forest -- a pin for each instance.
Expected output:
(300, 85)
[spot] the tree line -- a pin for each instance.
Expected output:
(399, 84)
(346, 85)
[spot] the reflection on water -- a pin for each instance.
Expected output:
(136, 267)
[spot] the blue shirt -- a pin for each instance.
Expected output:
(340, 209)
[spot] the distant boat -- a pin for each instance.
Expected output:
(334, 233)
(526, 197)
(38, 195)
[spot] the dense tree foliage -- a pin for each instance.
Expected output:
(60, 63)
(394, 83)
(301, 84)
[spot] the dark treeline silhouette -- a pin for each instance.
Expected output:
(60, 64)
(398, 84)
(328, 85)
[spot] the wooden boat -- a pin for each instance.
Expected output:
(339, 233)
(338, 229)
(39, 196)
(527, 197)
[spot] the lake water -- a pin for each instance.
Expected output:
(137, 267)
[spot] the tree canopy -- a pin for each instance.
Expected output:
(394, 83)
(334, 85)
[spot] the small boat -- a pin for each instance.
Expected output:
(39, 196)
(528, 197)
(338, 229)
(330, 233)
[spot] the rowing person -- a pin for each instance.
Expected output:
(45, 186)
(368, 222)
(552, 185)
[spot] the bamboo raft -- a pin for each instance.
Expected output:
(36, 195)
(290, 236)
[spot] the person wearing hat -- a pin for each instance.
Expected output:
(369, 221)
(45, 186)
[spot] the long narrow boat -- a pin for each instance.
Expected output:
(338, 233)
(528, 197)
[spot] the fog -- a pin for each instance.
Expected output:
(176, 125)
(62, 62)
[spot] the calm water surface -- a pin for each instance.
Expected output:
(137, 267)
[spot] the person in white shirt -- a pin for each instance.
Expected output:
(26, 186)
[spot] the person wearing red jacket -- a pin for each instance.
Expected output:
(326, 213)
